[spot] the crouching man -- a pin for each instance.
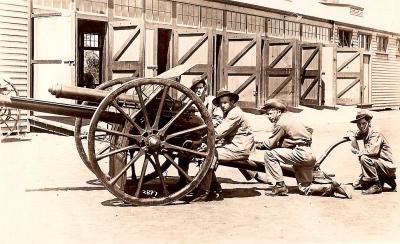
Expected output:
(234, 141)
(290, 144)
(377, 167)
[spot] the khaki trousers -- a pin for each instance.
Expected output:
(300, 158)
(374, 168)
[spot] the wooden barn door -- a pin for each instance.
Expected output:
(53, 58)
(280, 71)
(194, 48)
(349, 76)
(311, 85)
(242, 67)
(125, 49)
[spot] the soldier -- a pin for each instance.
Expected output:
(234, 141)
(199, 86)
(377, 167)
(290, 144)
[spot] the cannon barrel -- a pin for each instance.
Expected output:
(85, 94)
(80, 111)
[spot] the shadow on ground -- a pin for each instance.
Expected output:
(79, 188)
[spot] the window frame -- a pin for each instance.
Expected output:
(350, 32)
(367, 39)
(385, 43)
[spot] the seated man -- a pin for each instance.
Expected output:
(377, 167)
(234, 138)
(290, 144)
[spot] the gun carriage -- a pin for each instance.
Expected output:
(139, 128)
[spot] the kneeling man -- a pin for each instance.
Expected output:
(377, 167)
(290, 144)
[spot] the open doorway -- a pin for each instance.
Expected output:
(90, 53)
(163, 50)
(217, 70)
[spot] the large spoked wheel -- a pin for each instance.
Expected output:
(81, 136)
(8, 117)
(155, 128)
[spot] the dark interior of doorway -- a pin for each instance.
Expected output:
(215, 86)
(90, 63)
(163, 50)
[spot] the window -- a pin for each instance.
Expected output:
(211, 18)
(158, 10)
(344, 37)
(128, 8)
(323, 34)
(52, 3)
(398, 46)
(91, 40)
(187, 14)
(364, 41)
(381, 43)
(91, 62)
(292, 30)
(255, 24)
(276, 27)
(309, 32)
(235, 21)
(92, 6)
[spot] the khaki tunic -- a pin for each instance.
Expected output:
(236, 139)
(289, 144)
(376, 158)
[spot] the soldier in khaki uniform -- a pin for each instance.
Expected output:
(234, 141)
(290, 144)
(377, 167)
(199, 86)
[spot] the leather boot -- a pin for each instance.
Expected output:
(391, 181)
(279, 189)
(325, 190)
(341, 189)
(376, 188)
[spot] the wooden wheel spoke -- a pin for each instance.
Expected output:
(180, 133)
(165, 128)
(127, 117)
(127, 166)
(142, 174)
(160, 107)
(185, 150)
(118, 133)
(100, 157)
(143, 107)
(169, 158)
(104, 149)
(157, 167)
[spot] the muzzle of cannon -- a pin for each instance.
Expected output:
(74, 110)
(86, 94)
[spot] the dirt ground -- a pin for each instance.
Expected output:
(48, 196)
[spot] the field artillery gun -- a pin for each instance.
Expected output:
(138, 130)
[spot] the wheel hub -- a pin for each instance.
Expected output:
(153, 142)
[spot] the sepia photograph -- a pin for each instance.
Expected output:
(207, 121)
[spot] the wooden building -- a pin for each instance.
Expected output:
(14, 51)
(245, 46)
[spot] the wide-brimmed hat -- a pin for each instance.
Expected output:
(362, 114)
(223, 93)
(197, 81)
(274, 103)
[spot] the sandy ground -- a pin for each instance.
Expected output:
(48, 196)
